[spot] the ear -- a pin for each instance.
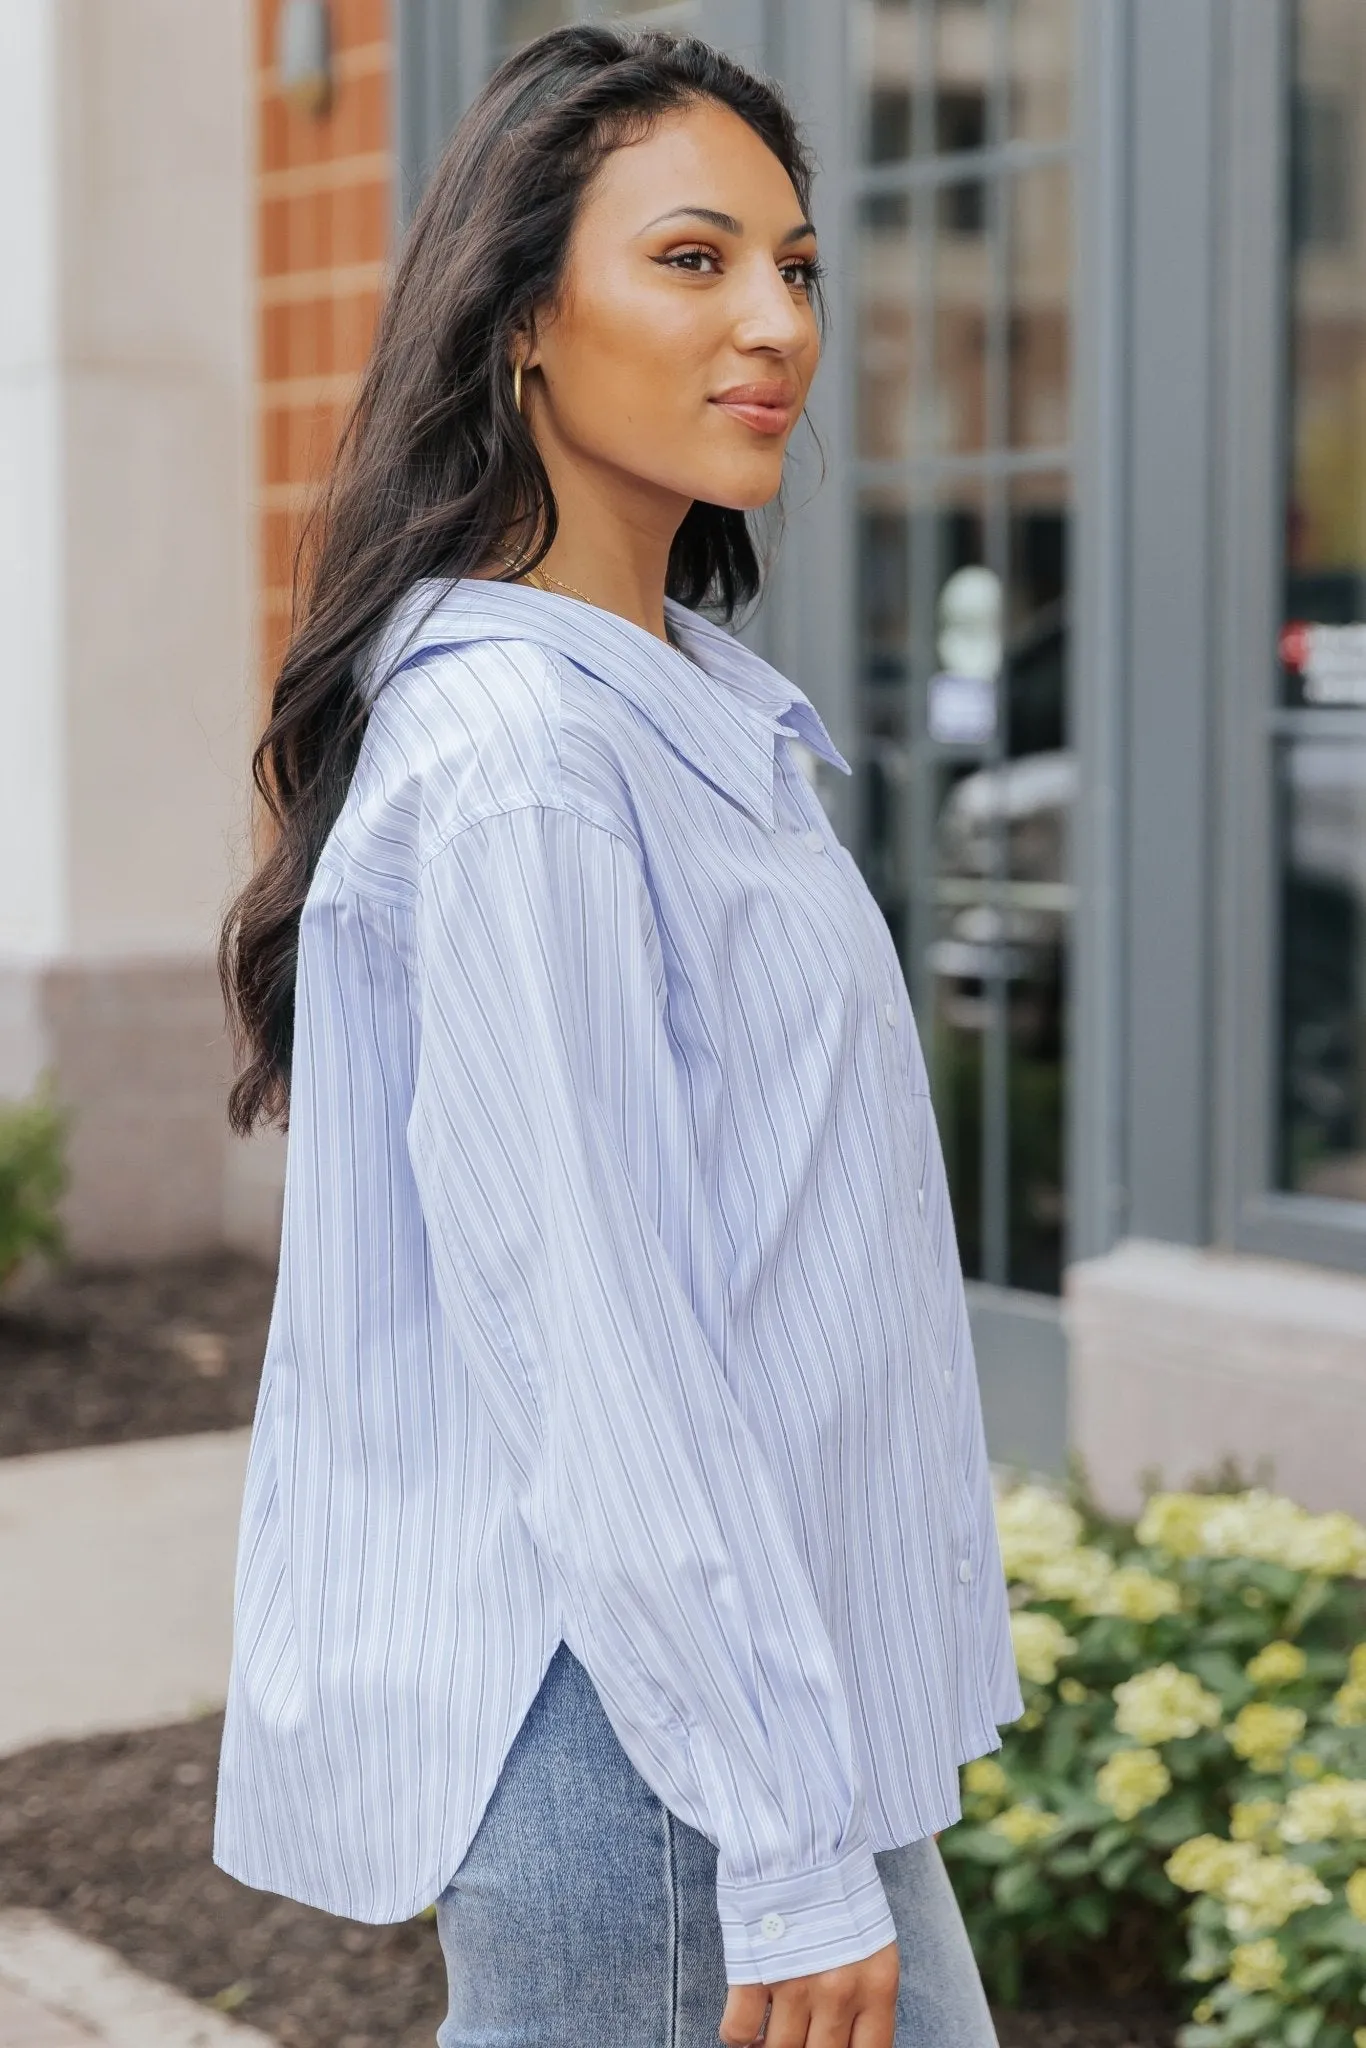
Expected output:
(526, 347)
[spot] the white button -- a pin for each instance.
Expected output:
(889, 1011)
(773, 1924)
(965, 1571)
(920, 1198)
(814, 840)
(948, 1382)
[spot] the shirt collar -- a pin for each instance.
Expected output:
(718, 704)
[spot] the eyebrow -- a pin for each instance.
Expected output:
(726, 222)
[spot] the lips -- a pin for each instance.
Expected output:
(767, 408)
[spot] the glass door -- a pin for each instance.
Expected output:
(1320, 727)
(961, 282)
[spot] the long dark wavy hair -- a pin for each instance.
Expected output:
(436, 471)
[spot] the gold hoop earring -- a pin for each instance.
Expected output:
(517, 384)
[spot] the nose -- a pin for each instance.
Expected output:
(770, 317)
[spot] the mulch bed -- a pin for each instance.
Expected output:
(104, 1355)
(113, 1836)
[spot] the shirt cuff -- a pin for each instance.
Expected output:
(790, 1926)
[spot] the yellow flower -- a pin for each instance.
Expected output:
(1136, 1595)
(1334, 1807)
(1080, 1576)
(1204, 2012)
(1267, 1890)
(1359, 2038)
(1033, 1527)
(1261, 1735)
(1349, 1705)
(1305, 1764)
(1207, 1862)
(1073, 1691)
(1175, 1522)
(1023, 1826)
(1269, 1527)
(986, 1776)
(1255, 1524)
(1132, 1780)
(1256, 1966)
(1278, 1664)
(1254, 1820)
(1040, 1641)
(1356, 1893)
(985, 1780)
(1333, 1544)
(1163, 1704)
(1356, 1666)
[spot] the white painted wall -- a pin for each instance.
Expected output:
(125, 461)
(32, 806)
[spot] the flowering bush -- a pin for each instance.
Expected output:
(1185, 1796)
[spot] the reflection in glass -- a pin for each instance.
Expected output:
(883, 47)
(1322, 774)
(962, 357)
(963, 49)
(962, 282)
(1036, 617)
(517, 21)
(1323, 1108)
(1040, 295)
(1040, 80)
(885, 269)
(1326, 512)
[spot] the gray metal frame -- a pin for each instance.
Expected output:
(1095, 1149)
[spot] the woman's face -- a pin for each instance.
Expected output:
(683, 343)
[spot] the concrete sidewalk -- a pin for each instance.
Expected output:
(59, 1991)
(116, 1568)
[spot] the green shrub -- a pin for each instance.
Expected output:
(1184, 1801)
(32, 1178)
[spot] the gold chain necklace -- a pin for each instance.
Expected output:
(541, 579)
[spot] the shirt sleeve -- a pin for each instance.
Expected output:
(552, 1148)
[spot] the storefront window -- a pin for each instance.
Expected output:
(963, 264)
(1322, 728)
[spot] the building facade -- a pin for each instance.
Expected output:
(1080, 588)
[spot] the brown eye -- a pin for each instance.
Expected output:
(802, 270)
(691, 260)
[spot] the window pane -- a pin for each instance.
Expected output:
(885, 268)
(1037, 797)
(1040, 298)
(883, 47)
(962, 282)
(963, 52)
(1323, 1111)
(883, 557)
(1322, 774)
(1326, 514)
(1041, 36)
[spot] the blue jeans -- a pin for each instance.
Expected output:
(583, 1914)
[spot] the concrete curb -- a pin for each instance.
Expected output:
(79, 1993)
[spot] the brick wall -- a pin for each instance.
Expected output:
(324, 223)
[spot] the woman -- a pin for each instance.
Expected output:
(617, 1563)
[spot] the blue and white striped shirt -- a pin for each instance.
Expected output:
(619, 1299)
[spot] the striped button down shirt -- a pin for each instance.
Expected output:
(619, 1299)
